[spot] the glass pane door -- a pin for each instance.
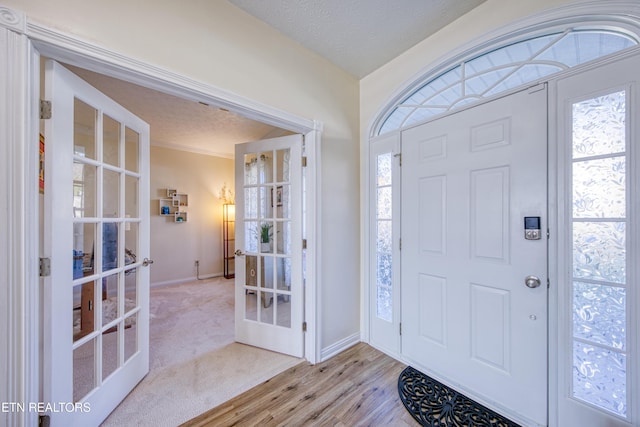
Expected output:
(268, 226)
(96, 232)
(267, 236)
(106, 220)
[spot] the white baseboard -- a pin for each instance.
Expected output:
(340, 346)
(183, 280)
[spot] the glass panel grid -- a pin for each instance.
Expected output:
(599, 246)
(384, 237)
(505, 68)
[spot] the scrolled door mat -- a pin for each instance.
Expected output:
(432, 403)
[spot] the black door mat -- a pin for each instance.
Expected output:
(432, 403)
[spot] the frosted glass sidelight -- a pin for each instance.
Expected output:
(384, 236)
(384, 203)
(599, 377)
(599, 188)
(599, 314)
(599, 125)
(385, 310)
(384, 269)
(599, 251)
(384, 285)
(384, 169)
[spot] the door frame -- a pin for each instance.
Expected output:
(556, 215)
(22, 303)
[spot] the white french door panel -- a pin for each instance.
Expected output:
(384, 249)
(269, 297)
(468, 182)
(96, 300)
(598, 362)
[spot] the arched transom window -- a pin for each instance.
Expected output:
(502, 69)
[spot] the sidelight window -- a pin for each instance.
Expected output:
(599, 286)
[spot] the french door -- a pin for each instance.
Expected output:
(268, 235)
(96, 233)
(474, 252)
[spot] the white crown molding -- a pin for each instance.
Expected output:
(95, 58)
(13, 20)
(622, 13)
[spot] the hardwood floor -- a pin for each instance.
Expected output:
(358, 387)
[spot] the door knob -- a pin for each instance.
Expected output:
(238, 252)
(532, 281)
(147, 262)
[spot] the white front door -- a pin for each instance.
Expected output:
(268, 235)
(96, 300)
(469, 180)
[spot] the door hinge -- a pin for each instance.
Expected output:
(44, 421)
(399, 156)
(400, 244)
(304, 243)
(548, 283)
(304, 326)
(400, 328)
(45, 267)
(304, 161)
(45, 109)
(548, 234)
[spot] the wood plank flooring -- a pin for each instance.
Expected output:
(358, 387)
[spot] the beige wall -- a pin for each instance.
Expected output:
(176, 246)
(219, 44)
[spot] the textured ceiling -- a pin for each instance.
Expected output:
(358, 35)
(179, 123)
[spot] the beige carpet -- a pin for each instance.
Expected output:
(194, 362)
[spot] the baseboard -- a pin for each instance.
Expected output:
(339, 347)
(183, 280)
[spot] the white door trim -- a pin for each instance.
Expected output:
(18, 224)
(67, 48)
(23, 42)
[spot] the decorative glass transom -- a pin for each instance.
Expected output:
(502, 69)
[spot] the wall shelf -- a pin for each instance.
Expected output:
(174, 205)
